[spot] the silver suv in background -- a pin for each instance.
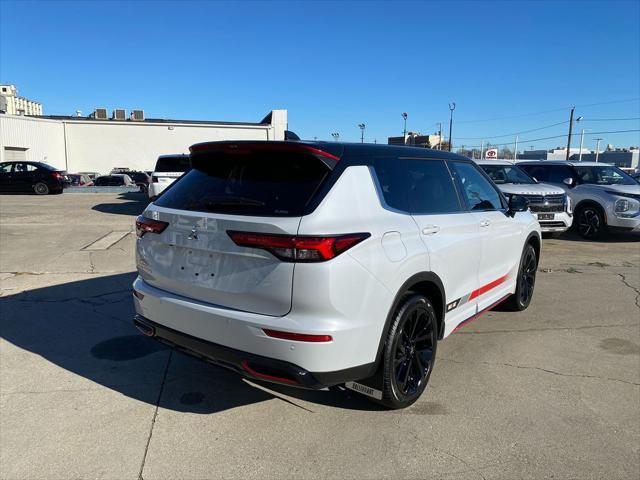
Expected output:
(604, 197)
(551, 205)
(168, 169)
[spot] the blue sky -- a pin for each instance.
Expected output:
(333, 65)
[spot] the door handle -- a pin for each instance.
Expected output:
(430, 230)
(485, 223)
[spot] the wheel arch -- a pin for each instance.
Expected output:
(591, 203)
(534, 240)
(424, 283)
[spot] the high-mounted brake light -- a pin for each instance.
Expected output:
(242, 148)
(149, 225)
(292, 248)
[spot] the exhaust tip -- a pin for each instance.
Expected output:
(144, 328)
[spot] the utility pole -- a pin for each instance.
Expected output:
(452, 107)
(440, 135)
(362, 127)
(570, 129)
(597, 148)
(515, 151)
(581, 143)
(481, 148)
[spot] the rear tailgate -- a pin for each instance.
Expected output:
(247, 189)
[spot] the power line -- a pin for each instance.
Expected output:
(635, 99)
(608, 119)
(551, 138)
(487, 137)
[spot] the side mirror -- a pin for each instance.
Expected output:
(517, 203)
(568, 181)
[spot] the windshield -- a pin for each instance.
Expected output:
(501, 174)
(603, 175)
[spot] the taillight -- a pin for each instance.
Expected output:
(292, 248)
(144, 225)
(154, 179)
(57, 175)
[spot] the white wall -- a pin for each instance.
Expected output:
(102, 145)
(43, 138)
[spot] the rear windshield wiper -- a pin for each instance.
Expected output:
(213, 202)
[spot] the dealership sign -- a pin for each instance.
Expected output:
(491, 154)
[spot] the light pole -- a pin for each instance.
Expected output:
(452, 107)
(597, 148)
(515, 150)
(439, 135)
(570, 132)
(481, 149)
(362, 126)
(404, 115)
(581, 143)
(335, 136)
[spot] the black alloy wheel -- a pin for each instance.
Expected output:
(526, 281)
(410, 352)
(590, 222)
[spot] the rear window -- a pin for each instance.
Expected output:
(173, 164)
(261, 184)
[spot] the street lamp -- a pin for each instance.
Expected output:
(452, 107)
(597, 148)
(362, 126)
(335, 136)
(404, 115)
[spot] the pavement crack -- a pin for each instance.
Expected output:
(623, 278)
(528, 367)
(525, 330)
(155, 414)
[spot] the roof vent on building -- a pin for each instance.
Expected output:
(137, 115)
(99, 114)
(119, 114)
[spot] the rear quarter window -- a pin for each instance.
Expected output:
(261, 184)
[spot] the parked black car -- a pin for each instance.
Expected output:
(36, 177)
(142, 180)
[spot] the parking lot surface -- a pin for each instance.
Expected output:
(552, 392)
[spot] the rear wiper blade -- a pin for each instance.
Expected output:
(233, 202)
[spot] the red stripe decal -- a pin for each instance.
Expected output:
(484, 289)
(480, 313)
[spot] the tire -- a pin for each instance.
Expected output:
(590, 222)
(41, 188)
(409, 352)
(526, 281)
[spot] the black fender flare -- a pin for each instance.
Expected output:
(406, 287)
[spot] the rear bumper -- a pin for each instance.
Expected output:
(332, 362)
(247, 364)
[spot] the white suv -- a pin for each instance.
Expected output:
(321, 264)
(168, 169)
(551, 205)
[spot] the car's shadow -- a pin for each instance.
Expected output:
(85, 328)
(135, 204)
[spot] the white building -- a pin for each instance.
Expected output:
(12, 104)
(77, 144)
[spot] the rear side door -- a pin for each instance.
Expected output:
(449, 232)
(24, 176)
(500, 236)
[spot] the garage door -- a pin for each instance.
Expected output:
(12, 154)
